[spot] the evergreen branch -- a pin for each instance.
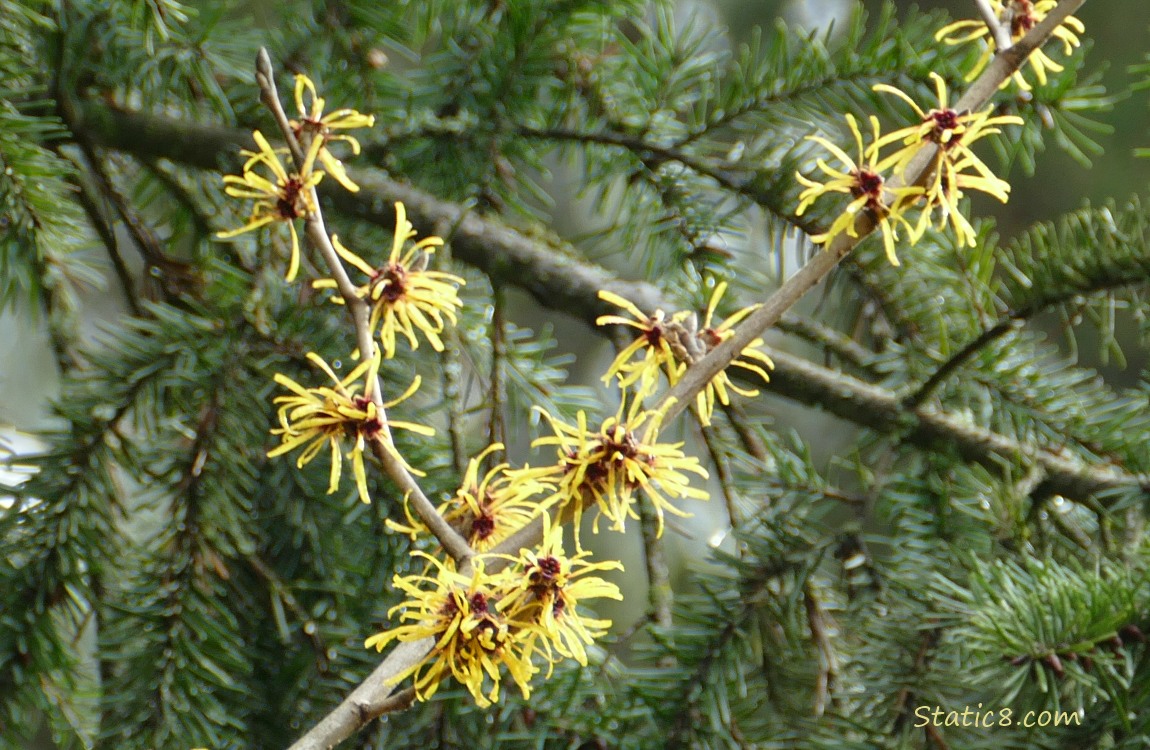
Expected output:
(175, 277)
(654, 155)
(1098, 277)
(67, 531)
(277, 588)
(961, 357)
(694, 686)
(680, 731)
(558, 280)
(830, 340)
(392, 463)
(881, 410)
(906, 702)
(107, 236)
(1004, 64)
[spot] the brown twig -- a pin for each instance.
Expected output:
(999, 28)
(660, 598)
(496, 426)
(820, 637)
(383, 448)
(722, 474)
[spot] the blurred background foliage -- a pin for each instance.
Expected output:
(163, 585)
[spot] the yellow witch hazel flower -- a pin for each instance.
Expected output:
(956, 167)
(404, 296)
(655, 335)
(473, 639)
(486, 510)
(546, 598)
(1022, 16)
(607, 466)
(864, 183)
(752, 358)
(313, 417)
(313, 124)
(671, 345)
(283, 198)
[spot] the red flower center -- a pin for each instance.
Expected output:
(483, 526)
(653, 334)
(547, 571)
(369, 428)
(868, 183)
(288, 203)
(393, 280)
(944, 119)
(1023, 19)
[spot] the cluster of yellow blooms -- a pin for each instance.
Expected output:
(950, 133)
(1021, 16)
(497, 612)
(670, 345)
(403, 295)
(487, 621)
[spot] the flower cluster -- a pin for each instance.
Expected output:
(486, 621)
(488, 612)
(1020, 16)
(607, 466)
(485, 510)
(956, 166)
(335, 415)
(954, 169)
(404, 295)
(284, 197)
(670, 345)
(314, 126)
(865, 185)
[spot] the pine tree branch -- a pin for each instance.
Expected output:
(961, 357)
(1004, 64)
(107, 235)
(1011, 320)
(653, 155)
(831, 341)
(559, 280)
